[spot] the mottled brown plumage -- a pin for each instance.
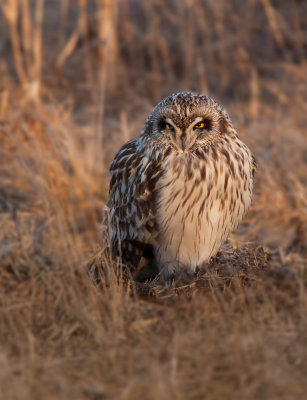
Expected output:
(178, 190)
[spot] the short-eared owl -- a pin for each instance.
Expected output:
(182, 187)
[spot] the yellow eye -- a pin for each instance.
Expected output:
(200, 125)
(168, 127)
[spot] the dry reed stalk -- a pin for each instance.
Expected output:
(281, 97)
(69, 48)
(254, 104)
(37, 41)
(107, 55)
(10, 10)
(26, 32)
(107, 51)
(27, 48)
(274, 21)
(83, 25)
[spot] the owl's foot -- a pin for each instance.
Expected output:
(170, 273)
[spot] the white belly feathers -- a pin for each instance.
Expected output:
(197, 208)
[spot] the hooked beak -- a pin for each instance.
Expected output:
(183, 139)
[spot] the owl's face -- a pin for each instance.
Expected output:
(186, 121)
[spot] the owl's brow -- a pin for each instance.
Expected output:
(195, 120)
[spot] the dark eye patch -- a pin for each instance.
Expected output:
(165, 126)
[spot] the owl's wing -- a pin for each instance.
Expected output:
(133, 188)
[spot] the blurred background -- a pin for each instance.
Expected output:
(78, 79)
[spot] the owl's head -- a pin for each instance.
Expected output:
(187, 120)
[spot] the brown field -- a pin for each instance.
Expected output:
(78, 79)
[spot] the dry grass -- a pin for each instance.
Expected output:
(68, 100)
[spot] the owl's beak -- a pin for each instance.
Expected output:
(183, 139)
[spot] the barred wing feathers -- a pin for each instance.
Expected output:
(133, 187)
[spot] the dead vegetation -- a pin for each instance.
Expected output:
(78, 79)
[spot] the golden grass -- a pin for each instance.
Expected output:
(238, 330)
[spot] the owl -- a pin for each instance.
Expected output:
(181, 188)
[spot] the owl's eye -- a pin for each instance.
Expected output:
(200, 125)
(205, 124)
(168, 127)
